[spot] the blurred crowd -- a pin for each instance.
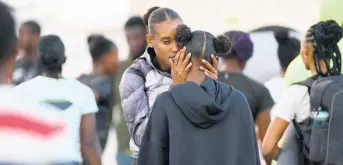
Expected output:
(181, 97)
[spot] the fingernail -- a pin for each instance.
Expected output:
(203, 60)
(189, 54)
(201, 67)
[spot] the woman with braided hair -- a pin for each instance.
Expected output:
(201, 121)
(320, 55)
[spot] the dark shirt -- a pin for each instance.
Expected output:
(24, 70)
(103, 89)
(257, 94)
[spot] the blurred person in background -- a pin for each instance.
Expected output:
(288, 49)
(149, 75)
(196, 122)
(257, 94)
(135, 31)
(30, 132)
(27, 65)
(71, 97)
(105, 64)
(296, 71)
(317, 48)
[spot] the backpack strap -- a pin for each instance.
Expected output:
(303, 148)
(308, 83)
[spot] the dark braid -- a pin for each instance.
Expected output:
(324, 37)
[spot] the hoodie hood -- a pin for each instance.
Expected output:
(204, 105)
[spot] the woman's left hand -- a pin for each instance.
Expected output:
(210, 71)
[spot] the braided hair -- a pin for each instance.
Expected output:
(324, 37)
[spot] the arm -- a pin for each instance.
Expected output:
(90, 145)
(155, 148)
(247, 130)
(285, 111)
(135, 103)
(274, 134)
(89, 141)
(262, 122)
(263, 115)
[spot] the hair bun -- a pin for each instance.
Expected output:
(281, 36)
(222, 44)
(51, 52)
(148, 13)
(183, 35)
(328, 32)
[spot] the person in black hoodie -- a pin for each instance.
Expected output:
(201, 121)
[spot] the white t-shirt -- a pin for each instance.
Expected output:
(68, 95)
(275, 87)
(294, 104)
(31, 132)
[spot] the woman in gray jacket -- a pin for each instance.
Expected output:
(149, 75)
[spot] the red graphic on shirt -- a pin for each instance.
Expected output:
(29, 124)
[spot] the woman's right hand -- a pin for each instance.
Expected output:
(180, 66)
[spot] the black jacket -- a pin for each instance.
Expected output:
(210, 124)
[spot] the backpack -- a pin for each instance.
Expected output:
(322, 141)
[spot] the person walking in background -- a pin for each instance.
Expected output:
(186, 120)
(31, 132)
(296, 71)
(258, 96)
(288, 49)
(105, 64)
(135, 31)
(70, 96)
(27, 65)
(149, 75)
(318, 48)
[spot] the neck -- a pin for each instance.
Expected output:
(30, 54)
(196, 76)
(313, 68)
(98, 69)
(282, 74)
(52, 75)
(231, 66)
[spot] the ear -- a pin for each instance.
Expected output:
(148, 39)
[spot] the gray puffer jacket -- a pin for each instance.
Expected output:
(139, 87)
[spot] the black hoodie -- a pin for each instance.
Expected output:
(210, 124)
